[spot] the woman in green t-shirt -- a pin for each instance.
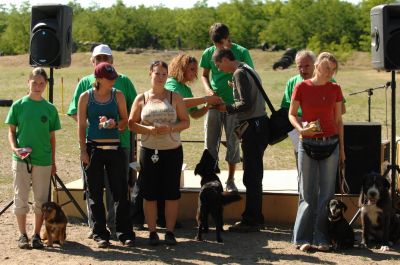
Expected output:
(183, 71)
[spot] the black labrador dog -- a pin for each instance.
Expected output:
(341, 234)
(212, 198)
(376, 211)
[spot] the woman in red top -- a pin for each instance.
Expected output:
(322, 126)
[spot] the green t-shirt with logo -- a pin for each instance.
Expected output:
(122, 83)
(173, 85)
(34, 121)
(219, 80)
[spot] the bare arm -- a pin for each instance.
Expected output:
(192, 102)
(123, 113)
(205, 79)
(12, 139)
(134, 121)
(53, 152)
(208, 100)
(82, 125)
(183, 116)
(294, 106)
(339, 124)
(195, 114)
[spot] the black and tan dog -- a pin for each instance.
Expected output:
(55, 223)
(212, 198)
(341, 234)
(376, 211)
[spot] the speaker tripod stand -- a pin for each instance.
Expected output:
(54, 178)
(393, 168)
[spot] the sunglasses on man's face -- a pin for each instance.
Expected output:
(102, 58)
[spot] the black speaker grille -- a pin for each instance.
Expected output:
(45, 47)
(362, 148)
(393, 51)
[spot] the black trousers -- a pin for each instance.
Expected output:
(254, 143)
(113, 162)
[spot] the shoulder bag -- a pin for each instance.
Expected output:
(279, 124)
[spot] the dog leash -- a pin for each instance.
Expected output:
(343, 186)
(53, 180)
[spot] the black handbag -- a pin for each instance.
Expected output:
(279, 124)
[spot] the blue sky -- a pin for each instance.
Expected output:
(167, 3)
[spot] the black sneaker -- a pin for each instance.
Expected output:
(102, 243)
(170, 238)
(37, 241)
(242, 227)
(23, 241)
(139, 227)
(154, 240)
(162, 224)
(128, 240)
(129, 243)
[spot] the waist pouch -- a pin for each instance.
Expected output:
(319, 149)
(103, 145)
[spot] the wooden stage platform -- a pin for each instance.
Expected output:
(280, 197)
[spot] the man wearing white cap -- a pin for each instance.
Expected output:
(102, 53)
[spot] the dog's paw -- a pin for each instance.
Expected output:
(198, 238)
(384, 248)
(219, 240)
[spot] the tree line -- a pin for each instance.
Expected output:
(333, 25)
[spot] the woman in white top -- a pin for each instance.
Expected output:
(159, 116)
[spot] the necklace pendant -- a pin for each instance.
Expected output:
(155, 157)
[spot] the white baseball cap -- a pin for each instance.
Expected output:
(101, 49)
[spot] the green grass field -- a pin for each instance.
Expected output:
(356, 74)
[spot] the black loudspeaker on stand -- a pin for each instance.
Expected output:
(385, 43)
(385, 40)
(51, 36)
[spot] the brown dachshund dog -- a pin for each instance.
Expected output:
(55, 223)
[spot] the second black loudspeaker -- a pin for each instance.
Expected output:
(385, 37)
(362, 144)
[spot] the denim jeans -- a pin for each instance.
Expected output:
(317, 181)
(213, 126)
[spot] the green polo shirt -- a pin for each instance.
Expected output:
(219, 80)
